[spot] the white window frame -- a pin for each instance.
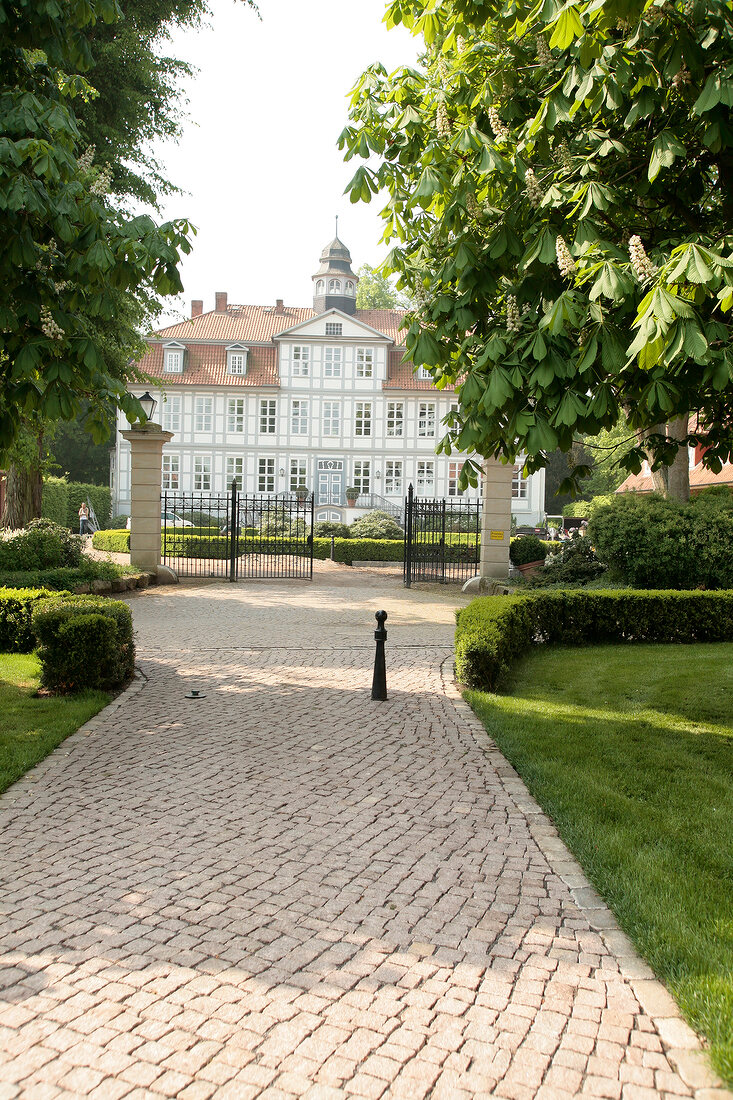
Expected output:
(332, 362)
(365, 362)
(426, 420)
(393, 477)
(237, 362)
(298, 473)
(320, 287)
(202, 473)
(395, 419)
(454, 472)
(173, 360)
(362, 476)
(235, 415)
(203, 413)
(298, 417)
(423, 374)
(334, 286)
(234, 472)
(425, 480)
(267, 418)
(334, 328)
(171, 473)
(266, 475)
(171, 411)
(349, 287)
(363, 419)
(520, 483)
(331, 418)
(301, 360)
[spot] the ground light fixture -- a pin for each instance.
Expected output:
(148, 403)
(194, 693)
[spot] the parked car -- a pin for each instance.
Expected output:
(168, 519)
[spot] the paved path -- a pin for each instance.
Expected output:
(285, 890)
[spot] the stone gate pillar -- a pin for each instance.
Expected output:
(146, 460)
(496, 526)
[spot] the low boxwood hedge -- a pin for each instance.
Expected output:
(494, 630)
(16, 609)
(83, 642)
(114, 542)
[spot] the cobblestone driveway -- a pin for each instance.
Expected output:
(286, 890)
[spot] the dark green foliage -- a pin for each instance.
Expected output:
(494, 630)
(574, 563)
(376, 525)
(650, 542)
(84, 642)
(16, 608)
(526, 549)
(101, 501)
(117, 523)
(43, 545)
(114, 542)
(76, 454)
(65, 576)
(55, 499)
(325, 528)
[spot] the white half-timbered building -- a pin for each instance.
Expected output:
(278, 397)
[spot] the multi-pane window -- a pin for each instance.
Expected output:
(171, 413)
(266, 475)
(425, 478)
(202, 474)
(301, 360)
(297, 473)
(334, 287)
(299, 418)
(267, 417)
(395, 418)
(332, 363)
(519, 483)
(454, 472)
(237, 362)
(334, 328)
(362, 476)
(331, 417)
(426, 419)
(235, 414)
(171, 472)
(363, 418)
(393, 478)
(423, 374)
(364, 362)
(235, 471)
(203, 414)
(173, 361)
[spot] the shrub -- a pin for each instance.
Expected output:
(16, 607)
(573, 563)
(43, 544)
(650, 542)
(100, 498)
(526, 549)
(326, 528)
(64, 577)
(494, 630)
(376, 525)
(586, 508)
(84, 642)
(115, 542)
(55, 499)
(117, 523)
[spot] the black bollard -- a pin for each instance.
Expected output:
(379, 682)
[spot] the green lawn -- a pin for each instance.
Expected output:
(30, 728)
(630, 751)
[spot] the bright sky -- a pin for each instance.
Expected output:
(258, 156)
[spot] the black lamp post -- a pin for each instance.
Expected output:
(148, 403)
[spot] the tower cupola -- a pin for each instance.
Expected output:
(334, 284)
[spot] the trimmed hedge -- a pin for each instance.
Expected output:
(84, 642)
(65, 577)
(61, 501)
(16, 608)
(115, 541)
(493, 631)
(55, 500)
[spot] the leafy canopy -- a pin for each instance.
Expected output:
(560, 193)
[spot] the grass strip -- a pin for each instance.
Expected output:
(32, 727)
(629, 749)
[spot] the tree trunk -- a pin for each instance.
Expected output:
(678, 474)
(23, 491)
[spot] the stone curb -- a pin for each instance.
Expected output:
(683, 1046)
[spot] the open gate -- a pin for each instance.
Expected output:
(442, 539)
(237, 535)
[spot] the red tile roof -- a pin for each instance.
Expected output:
(256, 324)
(206, 365)
(700, 478)
(400, 375)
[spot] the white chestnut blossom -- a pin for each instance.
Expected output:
(472, 206)
(643, 267)
(565, 261)
(532, 187)
(543, 50)
(460, 43)
(103, 182)
(49, 326)
(513, 323)
(85, 161)
(501, 131)
(442, 124)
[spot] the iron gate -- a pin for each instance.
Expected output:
(237, 534)
(442, 539)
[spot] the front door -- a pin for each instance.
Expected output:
(330, 481)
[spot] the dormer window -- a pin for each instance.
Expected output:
(334, 286)
(237, 360)
(334, 328)
(173, 361)
(423, 374)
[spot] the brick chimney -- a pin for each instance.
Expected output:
(197, 307)
(279, 307)
(221, 301)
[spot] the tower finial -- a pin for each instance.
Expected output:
(337, 225)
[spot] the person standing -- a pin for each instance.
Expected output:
(83, 518)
